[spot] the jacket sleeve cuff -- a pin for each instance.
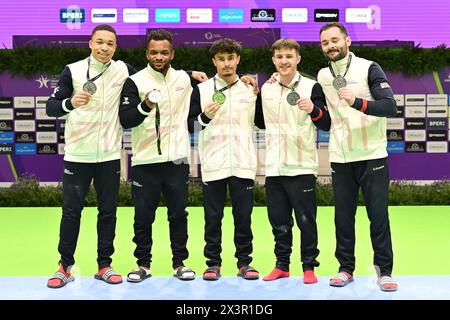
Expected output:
(203, 119)
(360, 104)
(316, 114)
(143, 108)
(67, 105)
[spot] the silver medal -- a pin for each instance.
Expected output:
(90, 87)
(339, 82)
(292, 98)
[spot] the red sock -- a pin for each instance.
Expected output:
(276, 274)
(309, 277)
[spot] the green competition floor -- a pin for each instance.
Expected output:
(29, 238)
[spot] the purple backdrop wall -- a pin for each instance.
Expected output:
(412, 20)
(419, 166)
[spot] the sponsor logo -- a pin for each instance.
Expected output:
(384, 85)
(6, 102)
(42, 81)
(61, 137)
(323, 145)
(24, 125)
(6, 137)
(378, 168)
(61, 147)
(394, 135)
(415, 123)
(25, 137)
(294, 15)
(167, 15)
(358, 15)
(395, 147)
(395, 124)
(104, 15)
(127, 137)
(23, 102)
(6, 114)
(415, 99)
(46, 148)
(262, 15)
(135, 15)
(400, 112)
(68, 172)
(6, 125)
(326, 15)
(399, 99)
(137, 184)
(127, 147)
(323, 136)
(199, 15)
(25, 149)
(46, 137)
(437, 112)
(46, 125)
(41, 101)
(24, 114)
(437, 123)
(437, 147)
(415, 135)
(415, 112)
(437, 99)
(437, 135)
(125, 100)
(61, 125)
(7, 148)
(231, 15)
(415, 147)
(73, 14)
(41, 114)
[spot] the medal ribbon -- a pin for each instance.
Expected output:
(224, 88)
(346, 68)
(158, 132)
(294, 86)
(97, 76)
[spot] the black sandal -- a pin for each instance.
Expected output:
(212, 273)
(140, 273)
(244, 273)
(184, 273)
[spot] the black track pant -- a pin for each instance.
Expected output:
(149, 181)
(214, 197)
(76, 182)
(298, 193)
(373, 178)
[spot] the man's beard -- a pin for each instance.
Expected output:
(163, 69)
(341, 55)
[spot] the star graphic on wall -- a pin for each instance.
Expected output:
(42, 81)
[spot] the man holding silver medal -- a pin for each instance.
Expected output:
(223, 110)
(155, 104)
(88, 92)
(292, 107)
(359, 100)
